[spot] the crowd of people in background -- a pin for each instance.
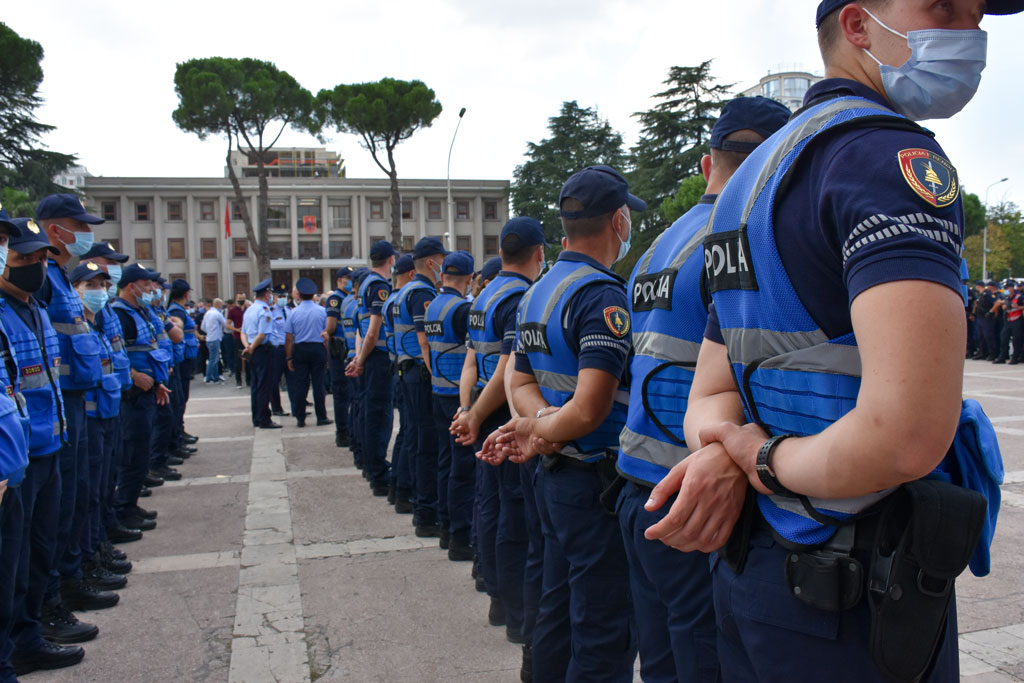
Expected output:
(995, 321)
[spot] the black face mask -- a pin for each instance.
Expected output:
(27, 278)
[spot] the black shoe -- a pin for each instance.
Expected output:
(459, 553)
(108, 551)
(324, 422)
(428, 531)
(475, 571)
(342, 439)
(144, 513)
(175, 460)
(152, 481)
(496, 614)
(166, 473)
(445, 539)
(61, 626)
(1014, 362)
(480, 585)
(82, 596)
(403, 506)
(102, 579)
(380, 490)
(134, 522)
(391, 495)
(123, 533)
(188, 438)
(279, 413)
(998, 361)
(49, 656)
(526, 670)
(145, 492)
(184, 451)
(116, 566)
(514, 634)
(300, 423)
(270, 425)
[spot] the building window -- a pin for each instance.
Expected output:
(142, 211)
(490, 245)
(376, 210)
(434, 209)
(464, 243)
(114, 244)
(208, 248)
(210, 286)
(239, 247)
(279, 250)
(795, 87)
(108, 210)
(490, 210)
(176, 276)
(277, 215)
(175, 212)
(309, 215)
(408, 242)
(462, 210)
(176, 248)
(236, 211)
(143, 250)
(340, 248)
(207, 210)
(241, 282)
(309, 249)
(341, 215)
(770, 88)
(374, 240)
(406, 210)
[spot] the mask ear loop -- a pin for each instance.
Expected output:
(890, 30)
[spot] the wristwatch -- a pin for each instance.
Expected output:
(764, 466)
(464, 409)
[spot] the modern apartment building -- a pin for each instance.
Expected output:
(787, 87)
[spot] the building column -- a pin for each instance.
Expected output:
(421, 216)
(360, 239)
(159, 238)
(227, 280)
(192, 246)
(293, 216)
(325, 250)
(127, 247)
(478, 229)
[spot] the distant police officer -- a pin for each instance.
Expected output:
(171, 338)
(180, 300)
(987, 320)
(672, 590)
(278, 365)
(402, 476)
(257, 327)
(1013, 324)
(375, 406)
(341, 347)
(851, 395)
(306, 353)
(568, 385)
(446, 330)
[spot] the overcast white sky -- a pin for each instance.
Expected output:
(110, 65)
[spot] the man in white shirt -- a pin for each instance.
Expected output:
(213, 328)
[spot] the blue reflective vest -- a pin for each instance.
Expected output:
(177, 348)
(407, 345)
(190, 342)
(79, 348)
(159, 320)
(144, 352)
(793, 378)
(349, 309)
(38, 367)
(363, 317)
(14, 417)
(447, 351)
(387, 325)
(104, 400)
(115, 335)
(668, 318)
(555, 366)
(487, 345)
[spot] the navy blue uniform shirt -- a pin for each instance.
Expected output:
(588, 335)
(847, 219)
(333, 307)
(460, 318)
(505, 316)
(375, 302)
(419, 301)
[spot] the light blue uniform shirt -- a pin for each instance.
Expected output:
(306, 322)
(278, 315)
(257, 320)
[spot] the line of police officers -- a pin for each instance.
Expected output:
(739, 463)
(92, 416)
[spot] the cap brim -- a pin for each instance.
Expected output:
(117, 256)
(92, 274)
(88, 218)
(1004, 6)
(33, 246)
(12, 228)
(635, 203)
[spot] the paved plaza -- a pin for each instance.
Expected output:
(272, 562)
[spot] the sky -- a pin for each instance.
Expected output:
(109, 73)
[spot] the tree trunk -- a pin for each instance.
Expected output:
(263, 255)
(240, 198)
(396, 203)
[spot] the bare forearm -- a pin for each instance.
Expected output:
(421, 338)
(493, 395)
(526, 397)
(708, 410)
(467, 380)
(576, 419)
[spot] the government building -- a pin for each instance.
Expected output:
(318, 220)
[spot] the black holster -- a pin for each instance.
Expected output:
(734, 552)
(337, 348)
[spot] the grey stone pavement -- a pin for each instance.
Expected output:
(272, 562)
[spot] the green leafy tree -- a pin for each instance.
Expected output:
(24, 163)
(383, 114)
(578, 138)
(1000, 253)
(974, 214)
(250, 102)
(17, 203)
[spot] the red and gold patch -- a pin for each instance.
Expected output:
(383, 294)
(617, 320)
(930, 176)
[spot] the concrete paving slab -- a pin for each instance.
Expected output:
(218, 458)
(315, 452)
(339, 509)
(193, 520)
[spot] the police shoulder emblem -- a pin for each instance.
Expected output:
(426, 305)
(31, 225)
(617, 320)
(383, 294)
(333, 302)
(929, 175)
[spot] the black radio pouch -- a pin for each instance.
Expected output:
(926, 536)
(337, 347)
(736, 549)
(828, 578)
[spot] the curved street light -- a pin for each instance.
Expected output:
(451, 218)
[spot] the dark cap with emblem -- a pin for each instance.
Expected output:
(281, 289)
(86, 271)
(827, 7)
(381, 249)
(263, 285)
(491, 269)
(344, 271)
(305, 286)
(359, 273)
(104, 250)
(601, 190)
(30, 239)
(457, 263)
(403, 264)
(7, 224)
(428, 246)
(762, 115)
(179, 288)
(133, 273)
(65, 206)
(521, 232)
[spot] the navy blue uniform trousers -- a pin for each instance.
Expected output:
(341, 390)
(377, 413)
(12, 523)
(456, 471)
(101, 447)
(278, 369)
(259, 396)
(355, 421)
(138, 412)
(163, 424)
(73, 461)
(402, 475)
(309, 360)
(533, 573)
(423, 445)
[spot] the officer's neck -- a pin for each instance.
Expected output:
(128, 297)
(19, 294)
(384, 271)
(597, 247)
(527, 270)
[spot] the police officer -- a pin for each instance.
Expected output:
(306, 353)
(171, 338)
(350, 321)
(257, 327)
(793, 338)
(672, 590)
(445, 326)
(180, 301)
(402, 475)
(373, 365)
(37, 351)
(278, 365)
(341, 347)
(567, 387)
(987, 314)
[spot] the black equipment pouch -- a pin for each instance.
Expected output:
(734, 552)
(829, 577)
(337, 347)
(611, 483)
(926, 536)
(424, 373)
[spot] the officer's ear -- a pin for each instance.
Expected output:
(705, 166)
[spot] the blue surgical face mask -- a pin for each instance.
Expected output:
(95, 299)
(3, 258)
(115, 273)
(942, 74)
(624, 245)
(543, 267)
(282, 300)
(146, 299)
(82, 244)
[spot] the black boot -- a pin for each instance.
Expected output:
(49, 656)
(83, 596)
(342, 439)
(526, 670)
(496, 614)
(61, 626)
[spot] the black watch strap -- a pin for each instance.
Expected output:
(764, 466)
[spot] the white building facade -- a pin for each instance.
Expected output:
(787, 87)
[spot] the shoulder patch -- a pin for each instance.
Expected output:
(383, 294)
(333, 302)
(930, 176)
(617, 320)
(426, 305)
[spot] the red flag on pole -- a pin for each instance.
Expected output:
(227, 220)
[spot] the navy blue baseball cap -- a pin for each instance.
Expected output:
(762, 115)
(180, 287)
(827, 7)
(381, 249)
(359, 273)
(457, 263)
(133, 273)
(403, 264)
(491, 269)
(30, 237)
(65, 206)
(428, 246)
(86, 271)
(521, 232)
(344, 271)
(6, 222)
(104, 250)
(601, 189)
(305, 286)
(262, 285)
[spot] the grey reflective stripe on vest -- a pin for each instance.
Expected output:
(107, 368)
(848, 506)
(141, 348)
(70, 328)
(665, 347)
(191, 332)
(695, 242)
(56, 428)
(35, 381)
(22, 403)
(400, 332)
(488, 348)
(117, 346)
(555, 380)
(642, 447)
(90, 405)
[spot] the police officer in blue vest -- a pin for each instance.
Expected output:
(568, 387)
(402, 475)
(180, 295)
(672, 590)
(373, 365)
(851, 397)
(278, 364)
(172, 339)
(341, 348)
(37, 352)
(306, 353)
(257, 328)
(446, 329)
(68, 227)
(350, 320)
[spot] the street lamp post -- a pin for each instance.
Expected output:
(451, 218)
(984, 238)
